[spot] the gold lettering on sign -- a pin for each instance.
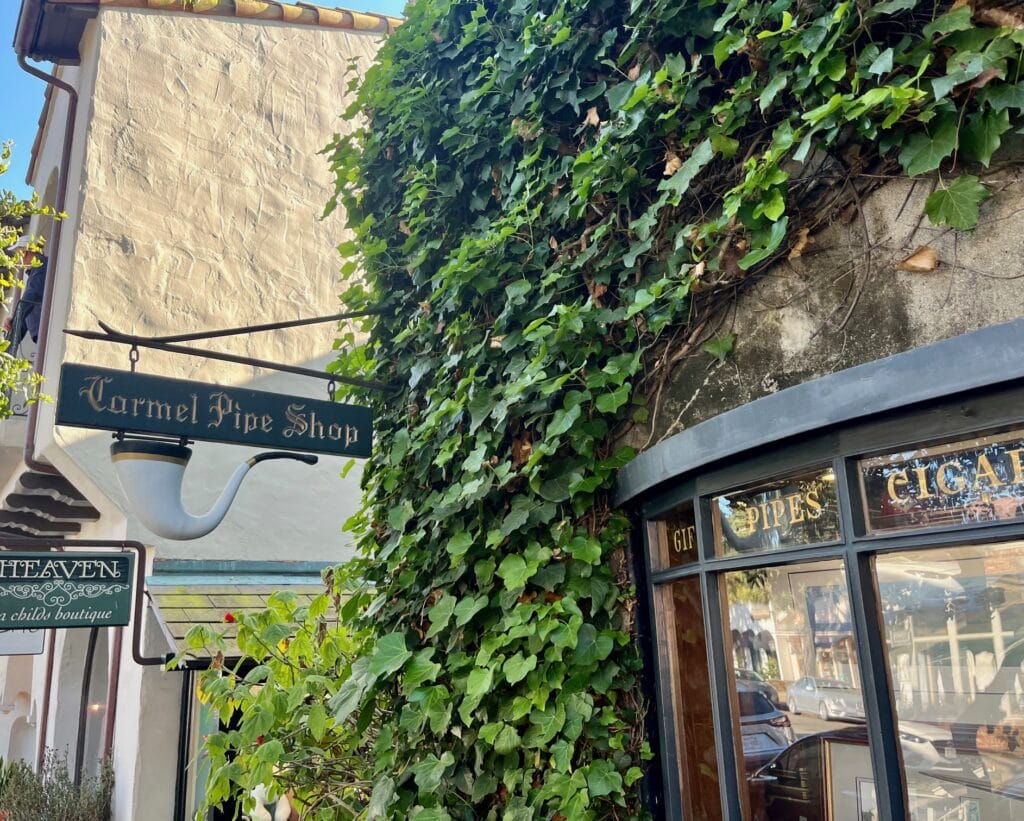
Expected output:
(93, 391)
(299, 425)
(684, 539)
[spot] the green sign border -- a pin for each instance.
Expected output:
(43, 589)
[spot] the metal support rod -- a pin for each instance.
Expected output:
(145, 342)
(253, 329)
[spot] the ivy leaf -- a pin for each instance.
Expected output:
(980, 135)
(956, 20)
(514, 571)
(389, 654)
(467, 608)
(882, 63)
(891, 7)
(507, 740)
(516, 667)
(316, 721)
(603, 779)
(1001, 96)
(420, 670)
(383, 796)
(459, 544)
(956, 205)
(419, 813)
(720, 348)
(400, 515)
(350, 694)
(679, 183)
(925, 152)
(590, 646)
(440, 614)
(429, 772)
(771, 91)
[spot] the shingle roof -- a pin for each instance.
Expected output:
(305, 14)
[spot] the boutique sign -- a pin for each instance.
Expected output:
(139, 403)
(40, 590)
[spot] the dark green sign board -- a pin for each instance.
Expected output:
(65, 589)
(139, 403)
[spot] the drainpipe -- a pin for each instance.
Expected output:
(44, 711)
(112, 686)
(83, 707)
(54, 248)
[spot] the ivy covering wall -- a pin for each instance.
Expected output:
(551, 200)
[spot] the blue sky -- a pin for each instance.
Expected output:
(21, 94)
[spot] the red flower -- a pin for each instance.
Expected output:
(259, 739)
(229, 618)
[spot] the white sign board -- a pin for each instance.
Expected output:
(21, 642)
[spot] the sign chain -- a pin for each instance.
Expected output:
(133, 357)
(332, 386)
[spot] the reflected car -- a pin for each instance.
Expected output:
(827, 697)
(752, 680)
(764, 728)
(792, 786)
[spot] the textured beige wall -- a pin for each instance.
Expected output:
(199, 208)
(204, 187)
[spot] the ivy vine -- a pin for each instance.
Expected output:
(550, 199)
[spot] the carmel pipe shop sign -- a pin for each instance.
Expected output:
(65, 589)
(139, 403)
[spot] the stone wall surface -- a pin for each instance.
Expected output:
(843, 301)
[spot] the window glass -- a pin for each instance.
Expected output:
(954, 630)
(978, 480)
(684, 659)
(799, 510)
(791, 626)
(674, 538)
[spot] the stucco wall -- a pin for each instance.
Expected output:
(843, 302)
(199, 208)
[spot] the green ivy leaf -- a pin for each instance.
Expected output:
(679, 183)
(980, 135)
(429, 772)
(591, 647)
(514, 571)
(1001, 96)
(440, 614)
(383, 797)
(720, 348)
(956, 20)
(516, 667)
(467, 608)
(956, 205)
(602, 779)
(316, 721)
(925, 152)
(420, 670)
(389, 655)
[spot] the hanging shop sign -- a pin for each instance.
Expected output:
(979, 480)
(65, 589)
(21, 642)
(140, 403)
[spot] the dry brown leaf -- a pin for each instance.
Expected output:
(592, 117)
(698, 269)
(983, 79)
(802, 241)
(552, 243)
(634, 72)
(403, 226)
(923, 260)
(672, 163)
(521, 452)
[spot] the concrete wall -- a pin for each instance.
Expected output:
(200, 202)
(843, 302)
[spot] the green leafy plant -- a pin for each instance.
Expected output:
(552, 201)
(52, 793)
(16, 373)
(284, 739)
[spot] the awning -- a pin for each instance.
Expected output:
(189, 593)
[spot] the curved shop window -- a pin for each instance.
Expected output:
(839, 621)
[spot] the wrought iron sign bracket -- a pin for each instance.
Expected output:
(169, 344)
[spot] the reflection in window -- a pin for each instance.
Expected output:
(790, 512)
(797, 691)
(954, 628)
(684, 656)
